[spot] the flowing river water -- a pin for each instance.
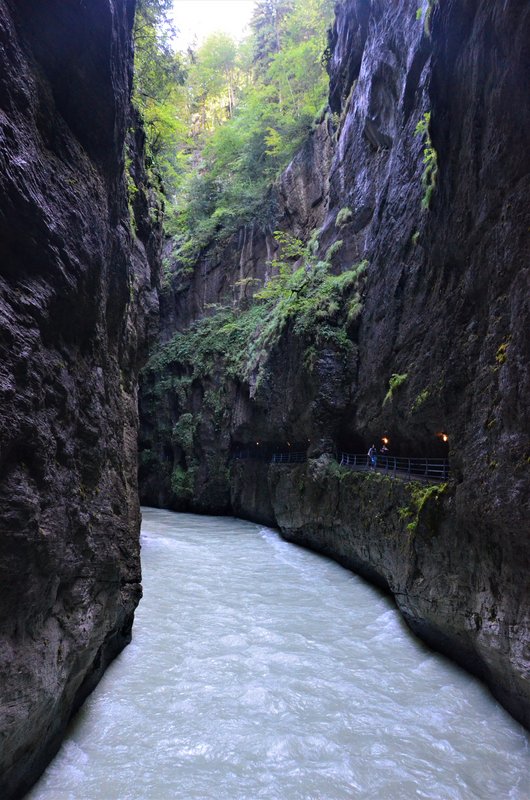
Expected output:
(261, 670)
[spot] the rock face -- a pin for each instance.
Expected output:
(421, 168)
(77, 303)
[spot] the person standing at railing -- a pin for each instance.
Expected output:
(372, 457)
(384, 451)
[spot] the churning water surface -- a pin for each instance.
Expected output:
(261, 670)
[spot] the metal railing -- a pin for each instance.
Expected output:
(288, 458)
(251, 455)
(434, 468)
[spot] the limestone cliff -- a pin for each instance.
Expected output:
(421, 169)
(77, 303)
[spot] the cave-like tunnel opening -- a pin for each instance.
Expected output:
(351, 442)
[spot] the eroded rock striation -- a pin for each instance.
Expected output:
(421, 169)
(78, 298)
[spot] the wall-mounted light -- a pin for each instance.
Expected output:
(443, 436)
(385, 440)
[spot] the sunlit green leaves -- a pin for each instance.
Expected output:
(224, 119)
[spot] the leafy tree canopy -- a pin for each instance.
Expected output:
(225, 118)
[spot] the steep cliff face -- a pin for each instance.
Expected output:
(78, 296)
(421, 170)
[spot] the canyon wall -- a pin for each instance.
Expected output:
(421, 169)
(78, 302)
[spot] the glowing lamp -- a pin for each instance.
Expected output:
(385, 440)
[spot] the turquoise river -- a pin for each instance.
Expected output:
(261, 670)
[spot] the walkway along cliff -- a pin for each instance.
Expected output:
(78, 299)
(408, 318)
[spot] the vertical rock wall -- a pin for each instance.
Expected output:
(445, 305)
(77, 303)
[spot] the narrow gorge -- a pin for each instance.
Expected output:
(406, 319)
(378, 292)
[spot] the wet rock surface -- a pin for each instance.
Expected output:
(444, 307)
(77, 306)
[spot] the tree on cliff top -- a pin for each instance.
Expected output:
(266, 26)
(224, 119)
(158, 88)
(245, 132)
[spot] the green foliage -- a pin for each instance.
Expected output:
(420, 400)
(243, 112)
(214, 78)
(502, 353)
(431, 4)
(267, 22)
(343, 217)
(156, 67)
(319, 306)
(394, 383)
(430, 160)
(420, 495)
(332, 251)
(405, 512)
(184, 431)
(219, 341)
(182, 483)
(148, 458)
(158, 89)
(218, 403)
(233, 345)
(223, 120)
